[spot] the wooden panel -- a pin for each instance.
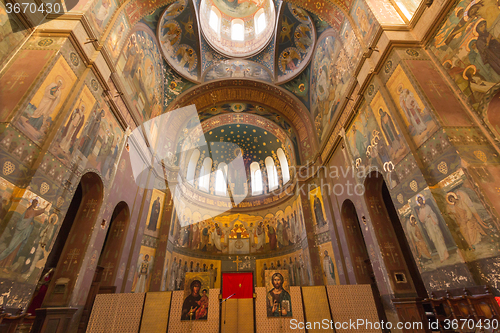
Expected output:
(156, 312)
(229, 316)
(277, 325)
(238, 315)
(316, 307)
(357, 302)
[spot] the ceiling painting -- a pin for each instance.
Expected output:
(238, 69)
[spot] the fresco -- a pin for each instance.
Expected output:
(330, 78)
(240, 9)
(318, 210)
(239, 233)
(328, 267)
(384, 12)
(196, 287)
(100, 14)
(237, 69)
(296, 263)
(415, 114)
(178, 37)
(141, 68)
(181, 265)
(117, 37)
(38, 117)
(174, 86)
(300, 86)
(468, 46)
(295, 42)
(278, 300)
(144, 271)
(153, 221)
(12, 33)
(6, 192)
(365, 20)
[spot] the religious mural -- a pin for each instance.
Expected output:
(295, 42)
(297, 264)
(278, 300)
(141, 68)
(237, 69)
(365, 20)
(385, 12)
(416, 115)
(300, 86)
(117, 37)
(178, 37)
(318, 207)
(196, 288)
(12, 33)
(100, 14)
(153, 221)
(468, 46)
(330, 78)
(328, 267)
(144, 270)
(182, 265)
(37, 118)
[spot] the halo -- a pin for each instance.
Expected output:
(419, 196)
(56, 218)
(465, 71)
(474, 30)
(451, 195)
(448, 62)
(466, 10)
(400, 89)
(467, 46)
(414, 218)
(60, 78)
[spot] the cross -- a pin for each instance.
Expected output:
(90, 207)
(435, 87)
(157, 277)
(238, 118)
(72, 255)
(118, 229)
(237, 261)
(361, 263)
(391, 247)
(374, 202)
(18, 77)
(107, 270)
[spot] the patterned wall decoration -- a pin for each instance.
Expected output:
(467, 45)
(174, 85)
(141, 68)
(266, 56)
(300, 86)
(296, 263)
(366, 22)
(178, 37)
(295, 42)
(208, 56)
(330, 78)
(237, 69)
(211, 325)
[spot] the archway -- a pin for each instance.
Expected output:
(69, 262)
(403, 274)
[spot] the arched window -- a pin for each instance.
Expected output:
(260, 21)
(221, 180)
(272, 173)
(284, 165)
(191, 169)
(256, 177)
(206, 169)
(214, 20)
(237, 30)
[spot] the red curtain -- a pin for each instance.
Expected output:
(240, 284)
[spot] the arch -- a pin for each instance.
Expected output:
(285, 172)
(238, 30)
(84, 223)
(256, 178)
(214, 20)
(221, 180)
(260, 21)
(191, 167)
(404, 276)
(272, 174)
(205, 171)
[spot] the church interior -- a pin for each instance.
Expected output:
(249, 165)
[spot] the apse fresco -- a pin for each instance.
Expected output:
(117, 37)
(141, 68)
(101, 13)
(365, 20)
(238, 69)
(40, 114)
(181, 265)
(12, 33)
(417, 117)
(296, 264)
(144, 270)
(330, 78)
(468, 46)
(239, 233)
(295, 42)
(178, 36)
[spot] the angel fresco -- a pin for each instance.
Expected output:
(287, 59)
(185, 56)
(302, 39)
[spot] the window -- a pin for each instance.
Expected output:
(237, 30)
(214, 20)
(220, 180)
(256, 177)
(260, 21)
(191, 169)
(284, 165)
(205, 172)
(272, 173)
